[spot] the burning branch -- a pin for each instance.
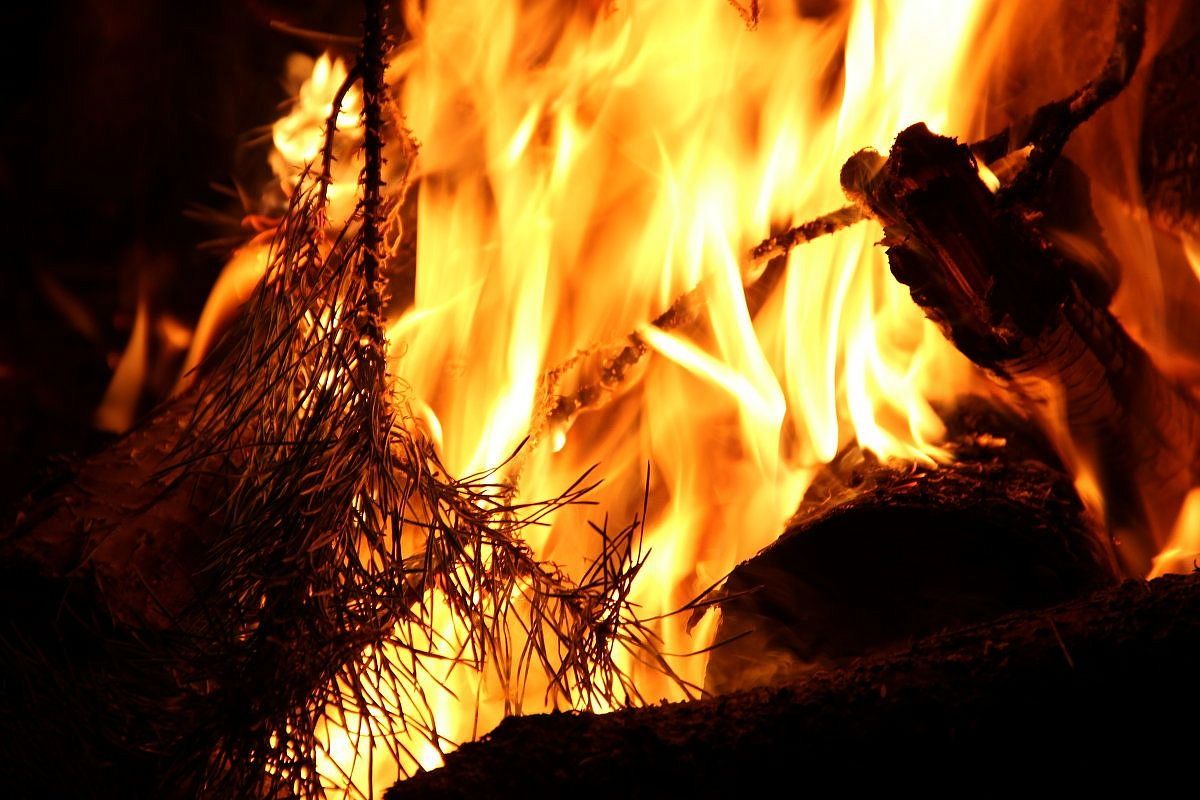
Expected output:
(681, 314)
(1015, 307)
(1047, 132)
(1041, 137)
(371, 64)
(781, 243)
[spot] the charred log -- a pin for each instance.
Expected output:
(1170, 157)
(1077, 684)
(882, 554)
(119, 526)
(1022, 311)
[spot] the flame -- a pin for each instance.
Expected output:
(581, 166)
(147, 366)
(232, 288)
(578, 172)
(581, 169)
(1182, 552)
(300, 135)
(119, 406)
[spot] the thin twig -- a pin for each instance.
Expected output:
(685, 311)
(335, 111)
(781, 243)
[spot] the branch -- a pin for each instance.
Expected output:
(1047, 132)
(1051, 126)
(331, 132)
(372, 63)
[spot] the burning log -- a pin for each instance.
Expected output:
(1031, 318)
(1170, 160)
(882, 554)
(1042, 686)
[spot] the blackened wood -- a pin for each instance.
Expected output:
(1015, 306)
(1101, 681)
(882, 554)
(138, 539)
(1170, 154)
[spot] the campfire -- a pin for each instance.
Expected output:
(724, 373)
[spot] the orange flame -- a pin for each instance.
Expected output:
(580, 167)
(578, 172)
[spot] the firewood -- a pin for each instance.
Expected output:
(1088, 681)
(1025, 313)
(123, 529)
(881, 554)
(1170, 156)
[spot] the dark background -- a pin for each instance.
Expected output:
(120, 122)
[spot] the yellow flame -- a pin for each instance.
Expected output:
(581, 168)
(300, 135)
(232, 288)
(1182, 553)
(1191, 249)
(578, 172)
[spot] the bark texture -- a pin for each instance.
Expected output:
(1170, 155)
(1031, 317)
(1102, 680)
(881, 554)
